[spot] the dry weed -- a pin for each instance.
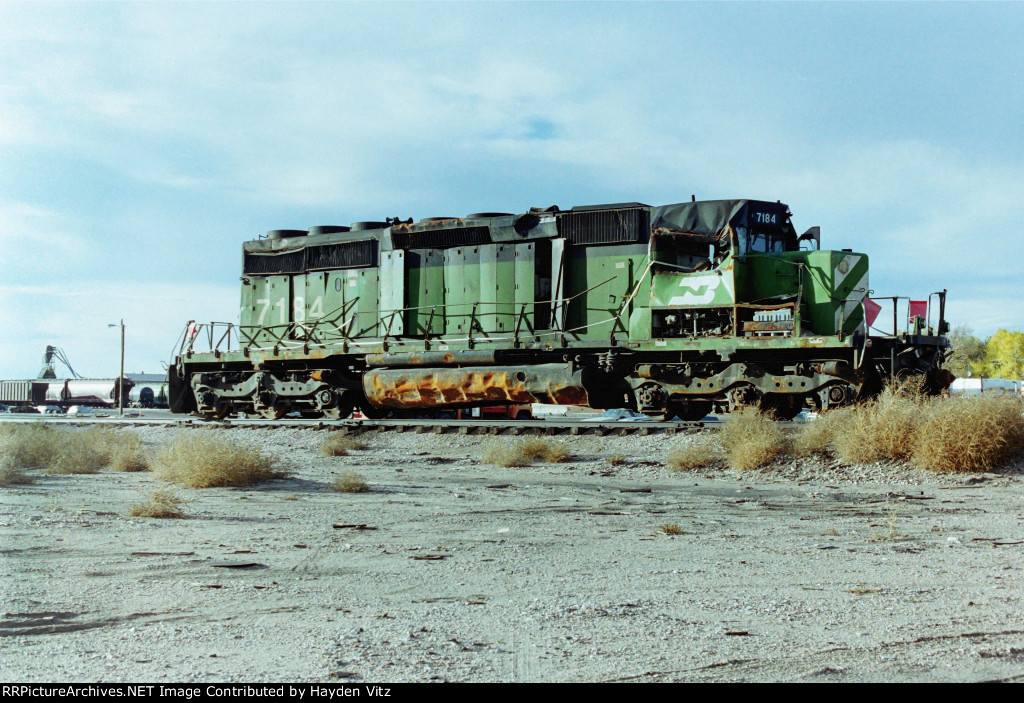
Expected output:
(525, 452)
(617, 459)
(204, 460)
(671, 529)
(125, 453)
(819, 436)
(338, 444)
(350, 482)
(71, 450)
(699, 454)
(970, 434)
(751, 440)
(538, 449)
(505, 454)
(77, 453)
(884, 428)
(162, 504)
(11, 475)
(30, 446)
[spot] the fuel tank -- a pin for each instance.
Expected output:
(438, 387)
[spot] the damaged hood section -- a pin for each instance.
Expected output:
(714, 218)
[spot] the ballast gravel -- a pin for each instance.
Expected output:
(451, 569)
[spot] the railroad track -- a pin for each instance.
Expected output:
(360, 426)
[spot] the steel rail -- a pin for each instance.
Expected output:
(358, 426)
(414, 426)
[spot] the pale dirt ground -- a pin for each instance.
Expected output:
(547, 573)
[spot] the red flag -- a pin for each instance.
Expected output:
(871, 310)
(918, 308)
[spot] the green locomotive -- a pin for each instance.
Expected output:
(674, 310)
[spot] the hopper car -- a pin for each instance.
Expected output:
(100, 392)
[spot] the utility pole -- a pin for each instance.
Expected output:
(120, 380)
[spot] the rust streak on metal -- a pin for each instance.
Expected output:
(422, 388)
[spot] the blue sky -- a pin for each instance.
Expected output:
(142, 143)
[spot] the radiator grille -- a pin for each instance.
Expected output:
(344, 255)
(603, 226)
(328, 256)
(441, 238)
(289, 262)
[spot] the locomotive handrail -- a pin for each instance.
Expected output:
(281, 342)
(314, 330)
(636, 289)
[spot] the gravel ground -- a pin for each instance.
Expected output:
(453, 570)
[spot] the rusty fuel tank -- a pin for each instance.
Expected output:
(437, 387)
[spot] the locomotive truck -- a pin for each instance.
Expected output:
(672, 310)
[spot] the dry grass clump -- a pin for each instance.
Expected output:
(965, 434)
(537, 449)
(699, 454)
(820, 435)
(124, 452)
(617, 459)
(525, 452)
(205, 460)
(70, 450)
(884, 428)
(162, 504)
(751, 440)
(31, 445)
(505, 454)
(671, 529)
(970, 434)
(11, 475)
(546, 451)
(350, 482)
(338, 444)
(77, 457)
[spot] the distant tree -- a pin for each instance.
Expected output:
(969, 353)
(1004, 355)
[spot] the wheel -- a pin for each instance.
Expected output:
(781, 406)
(688, 410)
(274, 413)
(340, 412)
(373, 413)
(218, 413)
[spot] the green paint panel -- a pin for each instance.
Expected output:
(462, 288)
(266, 303)
(525, 285)
(496, 313)
(599, 278)
(426, 292)
(338, 307)
(834, 284)
(701, 289)
(392, 293)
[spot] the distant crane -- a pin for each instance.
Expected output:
(48, 370)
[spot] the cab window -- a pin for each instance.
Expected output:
(755, 242)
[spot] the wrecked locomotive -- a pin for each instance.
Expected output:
(673, 310)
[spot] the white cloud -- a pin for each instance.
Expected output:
(76, 316)
(37, 242)
(345, 112)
